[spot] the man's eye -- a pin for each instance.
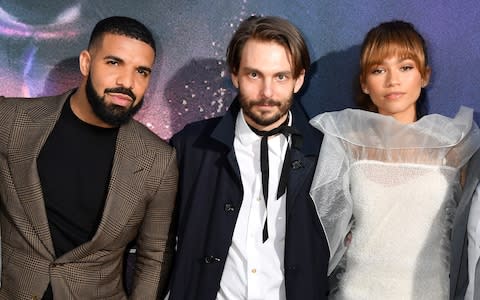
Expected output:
(144, 73)
(253, 74)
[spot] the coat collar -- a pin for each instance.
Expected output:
(224, 132)
(303, 159)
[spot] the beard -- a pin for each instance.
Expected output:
(111, 114)
(260, 118)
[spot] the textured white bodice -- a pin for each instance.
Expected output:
(400, 245)
(394, 187)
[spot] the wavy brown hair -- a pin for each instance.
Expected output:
(274, 29)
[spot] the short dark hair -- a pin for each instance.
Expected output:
(269, 28)
(125, 26)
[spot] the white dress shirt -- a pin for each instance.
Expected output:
(473, 232)
(253, 269)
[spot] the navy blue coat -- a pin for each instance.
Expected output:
(209, 198)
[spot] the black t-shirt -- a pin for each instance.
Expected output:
(74, 167)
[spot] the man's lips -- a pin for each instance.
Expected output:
(121, 99)
(266, 104)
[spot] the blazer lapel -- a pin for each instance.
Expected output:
(131, 165)
(30, 131)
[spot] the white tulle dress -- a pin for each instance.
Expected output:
(393, 186)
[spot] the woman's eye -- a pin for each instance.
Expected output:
(406, 68)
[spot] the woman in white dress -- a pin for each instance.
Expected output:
(390, 176)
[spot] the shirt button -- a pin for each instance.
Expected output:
(254, 271)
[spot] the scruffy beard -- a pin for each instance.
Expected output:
(111, 114)
(259, 118)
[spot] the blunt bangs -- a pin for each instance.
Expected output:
(404, 45)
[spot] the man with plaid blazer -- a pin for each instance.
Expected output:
(80, 179)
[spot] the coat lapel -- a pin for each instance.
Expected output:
(30, 131)
(304, 159)
(301, 166)
(224, 133)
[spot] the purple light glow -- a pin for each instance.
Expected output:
(11, 27)
(36, 34)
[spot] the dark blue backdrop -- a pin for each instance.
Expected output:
(40, 42)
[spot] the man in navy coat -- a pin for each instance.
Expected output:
(245, 225)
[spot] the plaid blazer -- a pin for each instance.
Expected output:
(139, 205)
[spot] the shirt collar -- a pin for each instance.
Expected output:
(247, 137)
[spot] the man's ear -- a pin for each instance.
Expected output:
(234, 79)
(299, 81)
(84, 61)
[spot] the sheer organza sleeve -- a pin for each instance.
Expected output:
(331, 195)
(356, 135)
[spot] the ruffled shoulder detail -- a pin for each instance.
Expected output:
(368, 129)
